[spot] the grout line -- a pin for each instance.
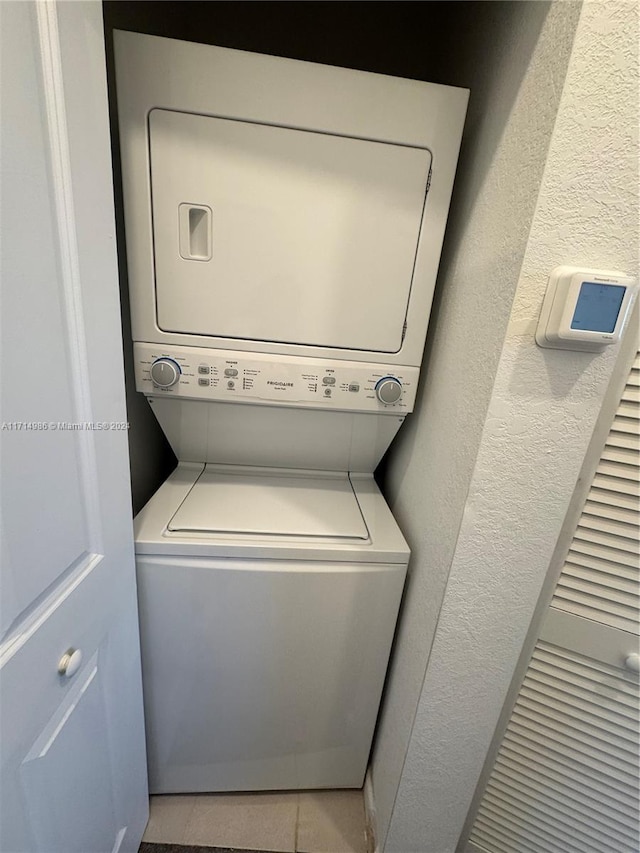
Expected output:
(295, 840)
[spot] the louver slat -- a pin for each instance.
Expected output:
(574, 706)
(605, 566)
(601, 576)
(560, 843)
(616, 484)
(618, 598)
(590, 756)
(625, 455)
(580, 726)
(617, 536)
(495, 841)
(620, 470)
(589, 673)
(612, 512)
(547, 688)
(614, 581)
(621, 439)
(614, 497)
(624, 424)
(571, 778)
(627, 409)
(605, 552)
(563, 781)
(570, 830)
(543, 780)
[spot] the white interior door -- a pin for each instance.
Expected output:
(73, 769)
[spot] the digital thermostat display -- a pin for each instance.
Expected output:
(598, 307)
(585, 309)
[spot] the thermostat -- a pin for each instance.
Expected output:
(585, 309)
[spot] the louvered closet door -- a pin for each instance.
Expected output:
(600, 577)
(565, 779)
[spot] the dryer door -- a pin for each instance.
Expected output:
(268, 233)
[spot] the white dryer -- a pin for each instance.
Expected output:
(284, 223)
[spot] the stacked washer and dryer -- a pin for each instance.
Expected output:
(284, 221)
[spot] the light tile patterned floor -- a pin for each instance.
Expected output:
(309, 822)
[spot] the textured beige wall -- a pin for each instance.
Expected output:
(515, 91)
(542, 411)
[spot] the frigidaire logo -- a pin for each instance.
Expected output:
(281, 384)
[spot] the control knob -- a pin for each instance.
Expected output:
(165, 372)
(388, 390)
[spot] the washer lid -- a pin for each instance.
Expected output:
(309, 505)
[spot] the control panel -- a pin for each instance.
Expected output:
(232, 376)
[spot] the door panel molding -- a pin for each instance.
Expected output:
(81, 813)
(62, 187)
(83, 567)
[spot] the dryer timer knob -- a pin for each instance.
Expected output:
(165, 372)
(389, 390)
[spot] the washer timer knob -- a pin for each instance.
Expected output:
(388, 390)
(165, 372)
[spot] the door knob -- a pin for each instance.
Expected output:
(632, 662)
(70, 662)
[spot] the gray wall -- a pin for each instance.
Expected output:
(514, 59)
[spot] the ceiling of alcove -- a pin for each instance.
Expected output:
(404, 39)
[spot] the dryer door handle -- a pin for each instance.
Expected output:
(194, 228)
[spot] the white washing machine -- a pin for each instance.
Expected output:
(284, 223)
(268, 602)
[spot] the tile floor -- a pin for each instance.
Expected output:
(308, 822)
